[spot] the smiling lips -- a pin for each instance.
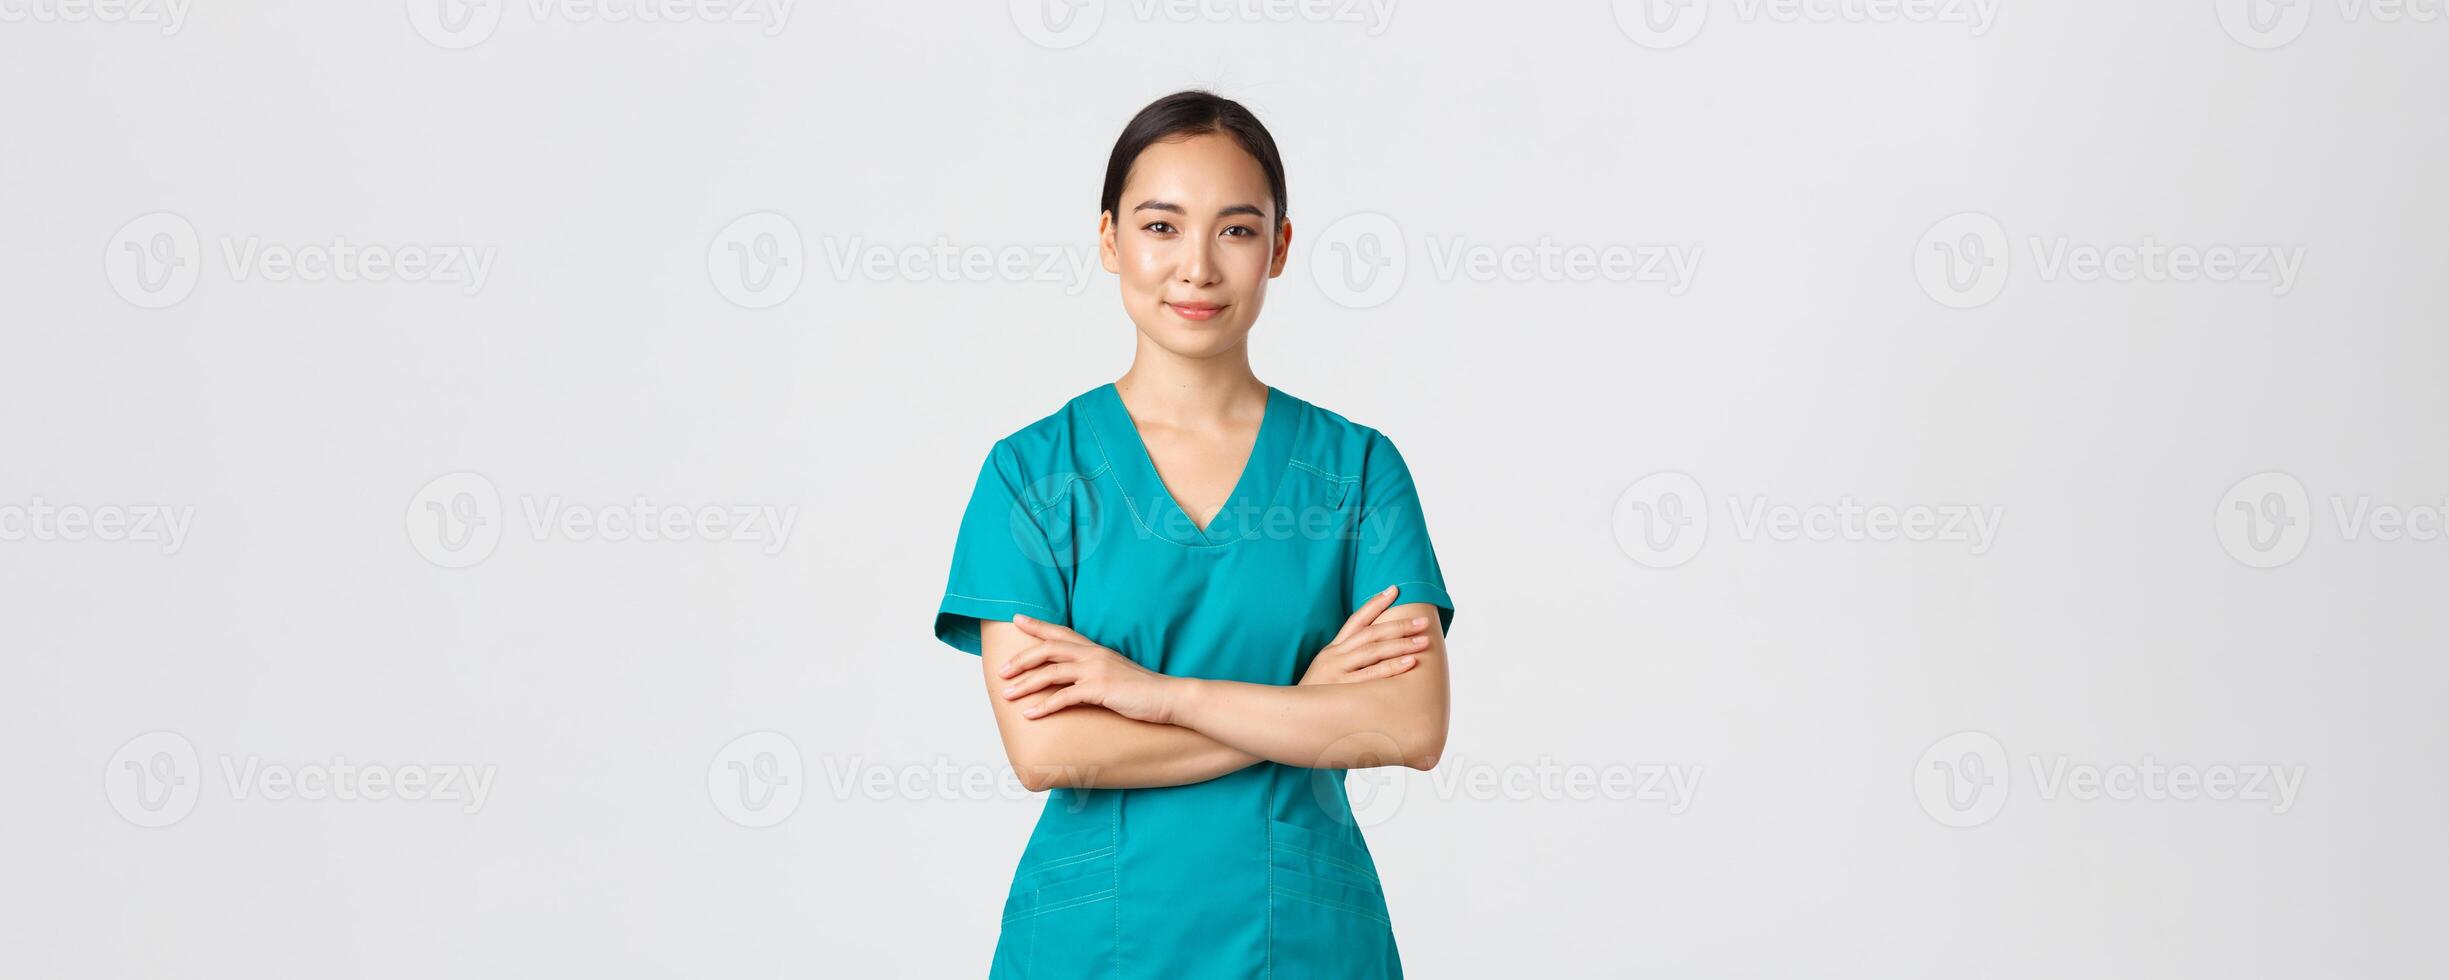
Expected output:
(1195, 311)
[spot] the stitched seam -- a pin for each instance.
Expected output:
(1297, 464)
(1333, 904)
(1008, 602)
(1439, 588)
(1066, 490)
(1069, 903)
(1072, 860)
(1271, 906)
(1327, 860)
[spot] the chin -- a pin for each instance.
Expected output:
(1196, 343)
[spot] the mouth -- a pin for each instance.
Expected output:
(1195, 311)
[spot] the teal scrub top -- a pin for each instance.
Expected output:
(1260, 873)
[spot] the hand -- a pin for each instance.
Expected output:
(1087, 673)
(1365, 652)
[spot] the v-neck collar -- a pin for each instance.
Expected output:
(1144, 490)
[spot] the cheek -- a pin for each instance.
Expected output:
(1142, 262)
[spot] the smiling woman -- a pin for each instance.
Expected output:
(1197, 601)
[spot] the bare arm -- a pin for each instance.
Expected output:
(1400, 720)
(1090, 746)
(1394, 720)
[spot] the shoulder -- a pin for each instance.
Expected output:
(1060, 444)
(1333, 444)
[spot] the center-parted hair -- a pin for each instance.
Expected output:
(1183, 115)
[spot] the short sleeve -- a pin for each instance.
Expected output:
(1393, 546)
(1003, 560)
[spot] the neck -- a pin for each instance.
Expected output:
(1191, 393)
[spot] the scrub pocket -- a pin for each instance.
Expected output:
(1059, 919)
(1326, 908)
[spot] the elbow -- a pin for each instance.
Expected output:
(1425, 748)
(1038, 775)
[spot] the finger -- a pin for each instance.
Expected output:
(1384, 650)
(1388, 668)
(1367, 613)
(1029, 656)
(1037, 680)
(1395, 629)
(1060, 699)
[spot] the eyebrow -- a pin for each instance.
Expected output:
(1252, 210)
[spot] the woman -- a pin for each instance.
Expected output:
(1197, 601)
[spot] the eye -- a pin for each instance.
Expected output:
(1245, 230)
(1157, 227)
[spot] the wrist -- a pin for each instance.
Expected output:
(1184, 697)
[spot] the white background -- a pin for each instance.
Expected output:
(2118, 617)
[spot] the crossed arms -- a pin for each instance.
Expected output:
(1075, 714)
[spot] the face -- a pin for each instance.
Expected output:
(1194, 243)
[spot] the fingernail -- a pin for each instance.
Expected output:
(1007, 692)
(1390, 590)
(1420, 621)
(1408, 661)
(1420, 641)
(1018, 618)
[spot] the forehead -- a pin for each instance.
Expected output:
(1210, 168)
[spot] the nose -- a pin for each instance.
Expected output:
(1198, 266)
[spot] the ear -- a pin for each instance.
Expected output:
(1105, 242)
(1284, 248)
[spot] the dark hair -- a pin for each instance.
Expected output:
(1185, 114)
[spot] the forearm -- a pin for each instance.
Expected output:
(1394, 721)
(1086, 746)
